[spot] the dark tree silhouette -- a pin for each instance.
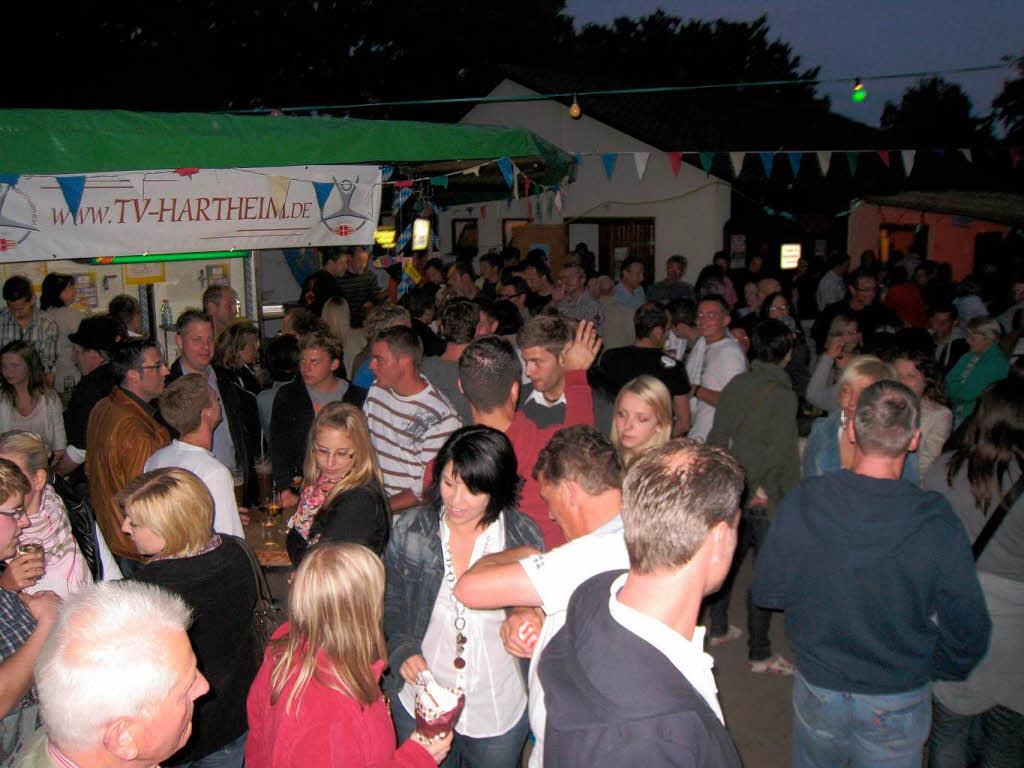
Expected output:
(1009, 106)
(935, 113)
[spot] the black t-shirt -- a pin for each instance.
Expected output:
(619, 366)
(89, 391)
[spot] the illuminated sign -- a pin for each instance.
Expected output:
(789, 255)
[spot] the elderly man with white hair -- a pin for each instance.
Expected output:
(117, 680)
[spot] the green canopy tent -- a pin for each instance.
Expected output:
(44, 141)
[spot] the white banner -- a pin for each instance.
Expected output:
(187, 210)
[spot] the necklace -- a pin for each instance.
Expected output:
(460, 610)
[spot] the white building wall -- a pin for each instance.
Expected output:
(690, 210)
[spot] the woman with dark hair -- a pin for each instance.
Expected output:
(977, 478)
(282, 360)
(776, 306)
(236, 352)
(922, 375)
(58, 294)
(470, 512)
(26, 403)
(125, 310)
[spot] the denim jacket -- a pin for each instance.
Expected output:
(415, 568)
(821, 454)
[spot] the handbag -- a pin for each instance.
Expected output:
(264, 615)
(83, 522)
(997, 516)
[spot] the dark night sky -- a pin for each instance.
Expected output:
(864, 37)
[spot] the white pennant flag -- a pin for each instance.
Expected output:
(515, 182)
(278, 190)
(558, 199)
(474, 171)
(641, 158)
(908, 160)
(967, 153)
(736, 158)
(824, 162)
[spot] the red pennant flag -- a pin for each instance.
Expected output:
(483, 211)
(403, 183)
(526, 185)
(676, 158)
(1015, 156)
(186, 171)
(884, 154)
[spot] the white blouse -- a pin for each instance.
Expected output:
(491, 679)
(46, 419)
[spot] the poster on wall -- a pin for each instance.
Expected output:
(144, 274)
(186, 210)
(218, 274)
(34, 271)
(87, 295)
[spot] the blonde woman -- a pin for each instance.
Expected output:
(337, 317)
(236, 351)
(168, 513)
(61, 567)
(342, 496)
(642, 418)
(841, 345)
(317, 700)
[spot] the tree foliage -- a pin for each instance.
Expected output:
(1009, 106)
(935, 113)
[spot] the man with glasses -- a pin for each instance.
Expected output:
(123, 432)
(862, 305)
(25, 621)
(514, 289)
(716, 358)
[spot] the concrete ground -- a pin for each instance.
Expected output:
(757, 708)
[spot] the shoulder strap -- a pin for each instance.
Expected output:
(760, 399)
(262, 588)
(997, 516)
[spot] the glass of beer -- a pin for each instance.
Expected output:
(265, 478)
(238, 477)
(30, 548)
(270, 520)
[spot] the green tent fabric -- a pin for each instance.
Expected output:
(43, 141)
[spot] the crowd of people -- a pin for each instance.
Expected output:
(528, 483)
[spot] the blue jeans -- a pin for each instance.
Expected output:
(833, 727)
(502, 751)
(229, 756)
(1001, 745)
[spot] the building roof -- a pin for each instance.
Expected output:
(987, 205)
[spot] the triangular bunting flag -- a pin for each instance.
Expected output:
(884, 154)
(526, 185)
(401, 195)
(795, 158)
(824, 162)
(474, 171)
(515, 182)
(278, 190)
(72, 187)
(908, 156)
(852, 158)
(608, 159)
(190, 172)
(706, 160)
(1015, 156)
(439, 181)
(578, 158)
(558, 199)
(137, 181)
(507, 170)
(483, 211)
(676, 160)
(404, 184)
(967, 154)
(10, 178)
(640, 160)
(386, 171)
(736, 158)
(767, 160)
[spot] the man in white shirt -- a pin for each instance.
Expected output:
(626, 680)
(630, 289)
(192, 407)
(580, 477)
(715, 359)
(832, 286)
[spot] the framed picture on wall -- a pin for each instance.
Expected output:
(144, 274)
(464, 234)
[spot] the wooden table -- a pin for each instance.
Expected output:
(274, 554)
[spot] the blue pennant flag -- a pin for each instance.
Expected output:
(404, 238)
(401, 195)
(323, 191)
(10, 178)
(72, 187)
(794, 162)
(506, 170)
(386, 172)
(767, 159)
(609, 159)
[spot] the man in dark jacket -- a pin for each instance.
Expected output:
(626, 679)
(880, 592)
(236, 441)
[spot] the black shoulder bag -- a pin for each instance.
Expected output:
(997, 516)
